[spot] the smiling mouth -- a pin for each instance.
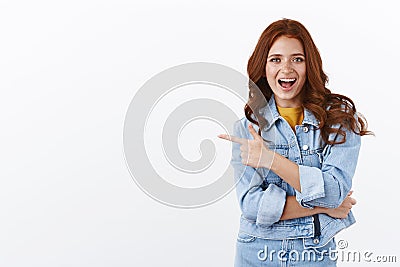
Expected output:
(287, 82)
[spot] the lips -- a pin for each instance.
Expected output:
(286, 82)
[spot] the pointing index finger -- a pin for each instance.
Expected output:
(232, 138)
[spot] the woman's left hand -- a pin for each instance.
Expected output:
(254, 153)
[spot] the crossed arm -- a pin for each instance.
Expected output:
(293, 209)
(255, 154)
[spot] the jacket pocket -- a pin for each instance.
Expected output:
(280, 149)
(313, 158)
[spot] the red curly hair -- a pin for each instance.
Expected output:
(328, 108)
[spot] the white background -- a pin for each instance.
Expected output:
(68, 71)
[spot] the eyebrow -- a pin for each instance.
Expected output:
(279, 55)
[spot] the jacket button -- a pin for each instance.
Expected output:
(316, 241)
(305, 129)
(305, 147)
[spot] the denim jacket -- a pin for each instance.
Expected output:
(326, 173)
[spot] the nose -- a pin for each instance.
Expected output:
(287, 68)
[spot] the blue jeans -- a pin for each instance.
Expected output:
(254, 251)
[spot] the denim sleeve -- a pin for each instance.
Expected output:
(263, 206)
(329, 186)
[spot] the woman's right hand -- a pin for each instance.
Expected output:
(343, 210)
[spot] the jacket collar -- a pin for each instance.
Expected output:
(271, 114)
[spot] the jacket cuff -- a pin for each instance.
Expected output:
(271, 207)
(312, 185)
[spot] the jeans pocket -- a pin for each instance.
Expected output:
(245, 238)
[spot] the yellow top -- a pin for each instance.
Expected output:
(294, 116)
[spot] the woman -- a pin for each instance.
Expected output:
(294, 156)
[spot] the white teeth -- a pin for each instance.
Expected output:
(287, 80)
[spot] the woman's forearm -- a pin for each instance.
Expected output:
(287, 170)
(294, 210)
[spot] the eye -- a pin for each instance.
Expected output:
(275, 59)
(298, 59)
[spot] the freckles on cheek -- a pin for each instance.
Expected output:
(269, 70)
